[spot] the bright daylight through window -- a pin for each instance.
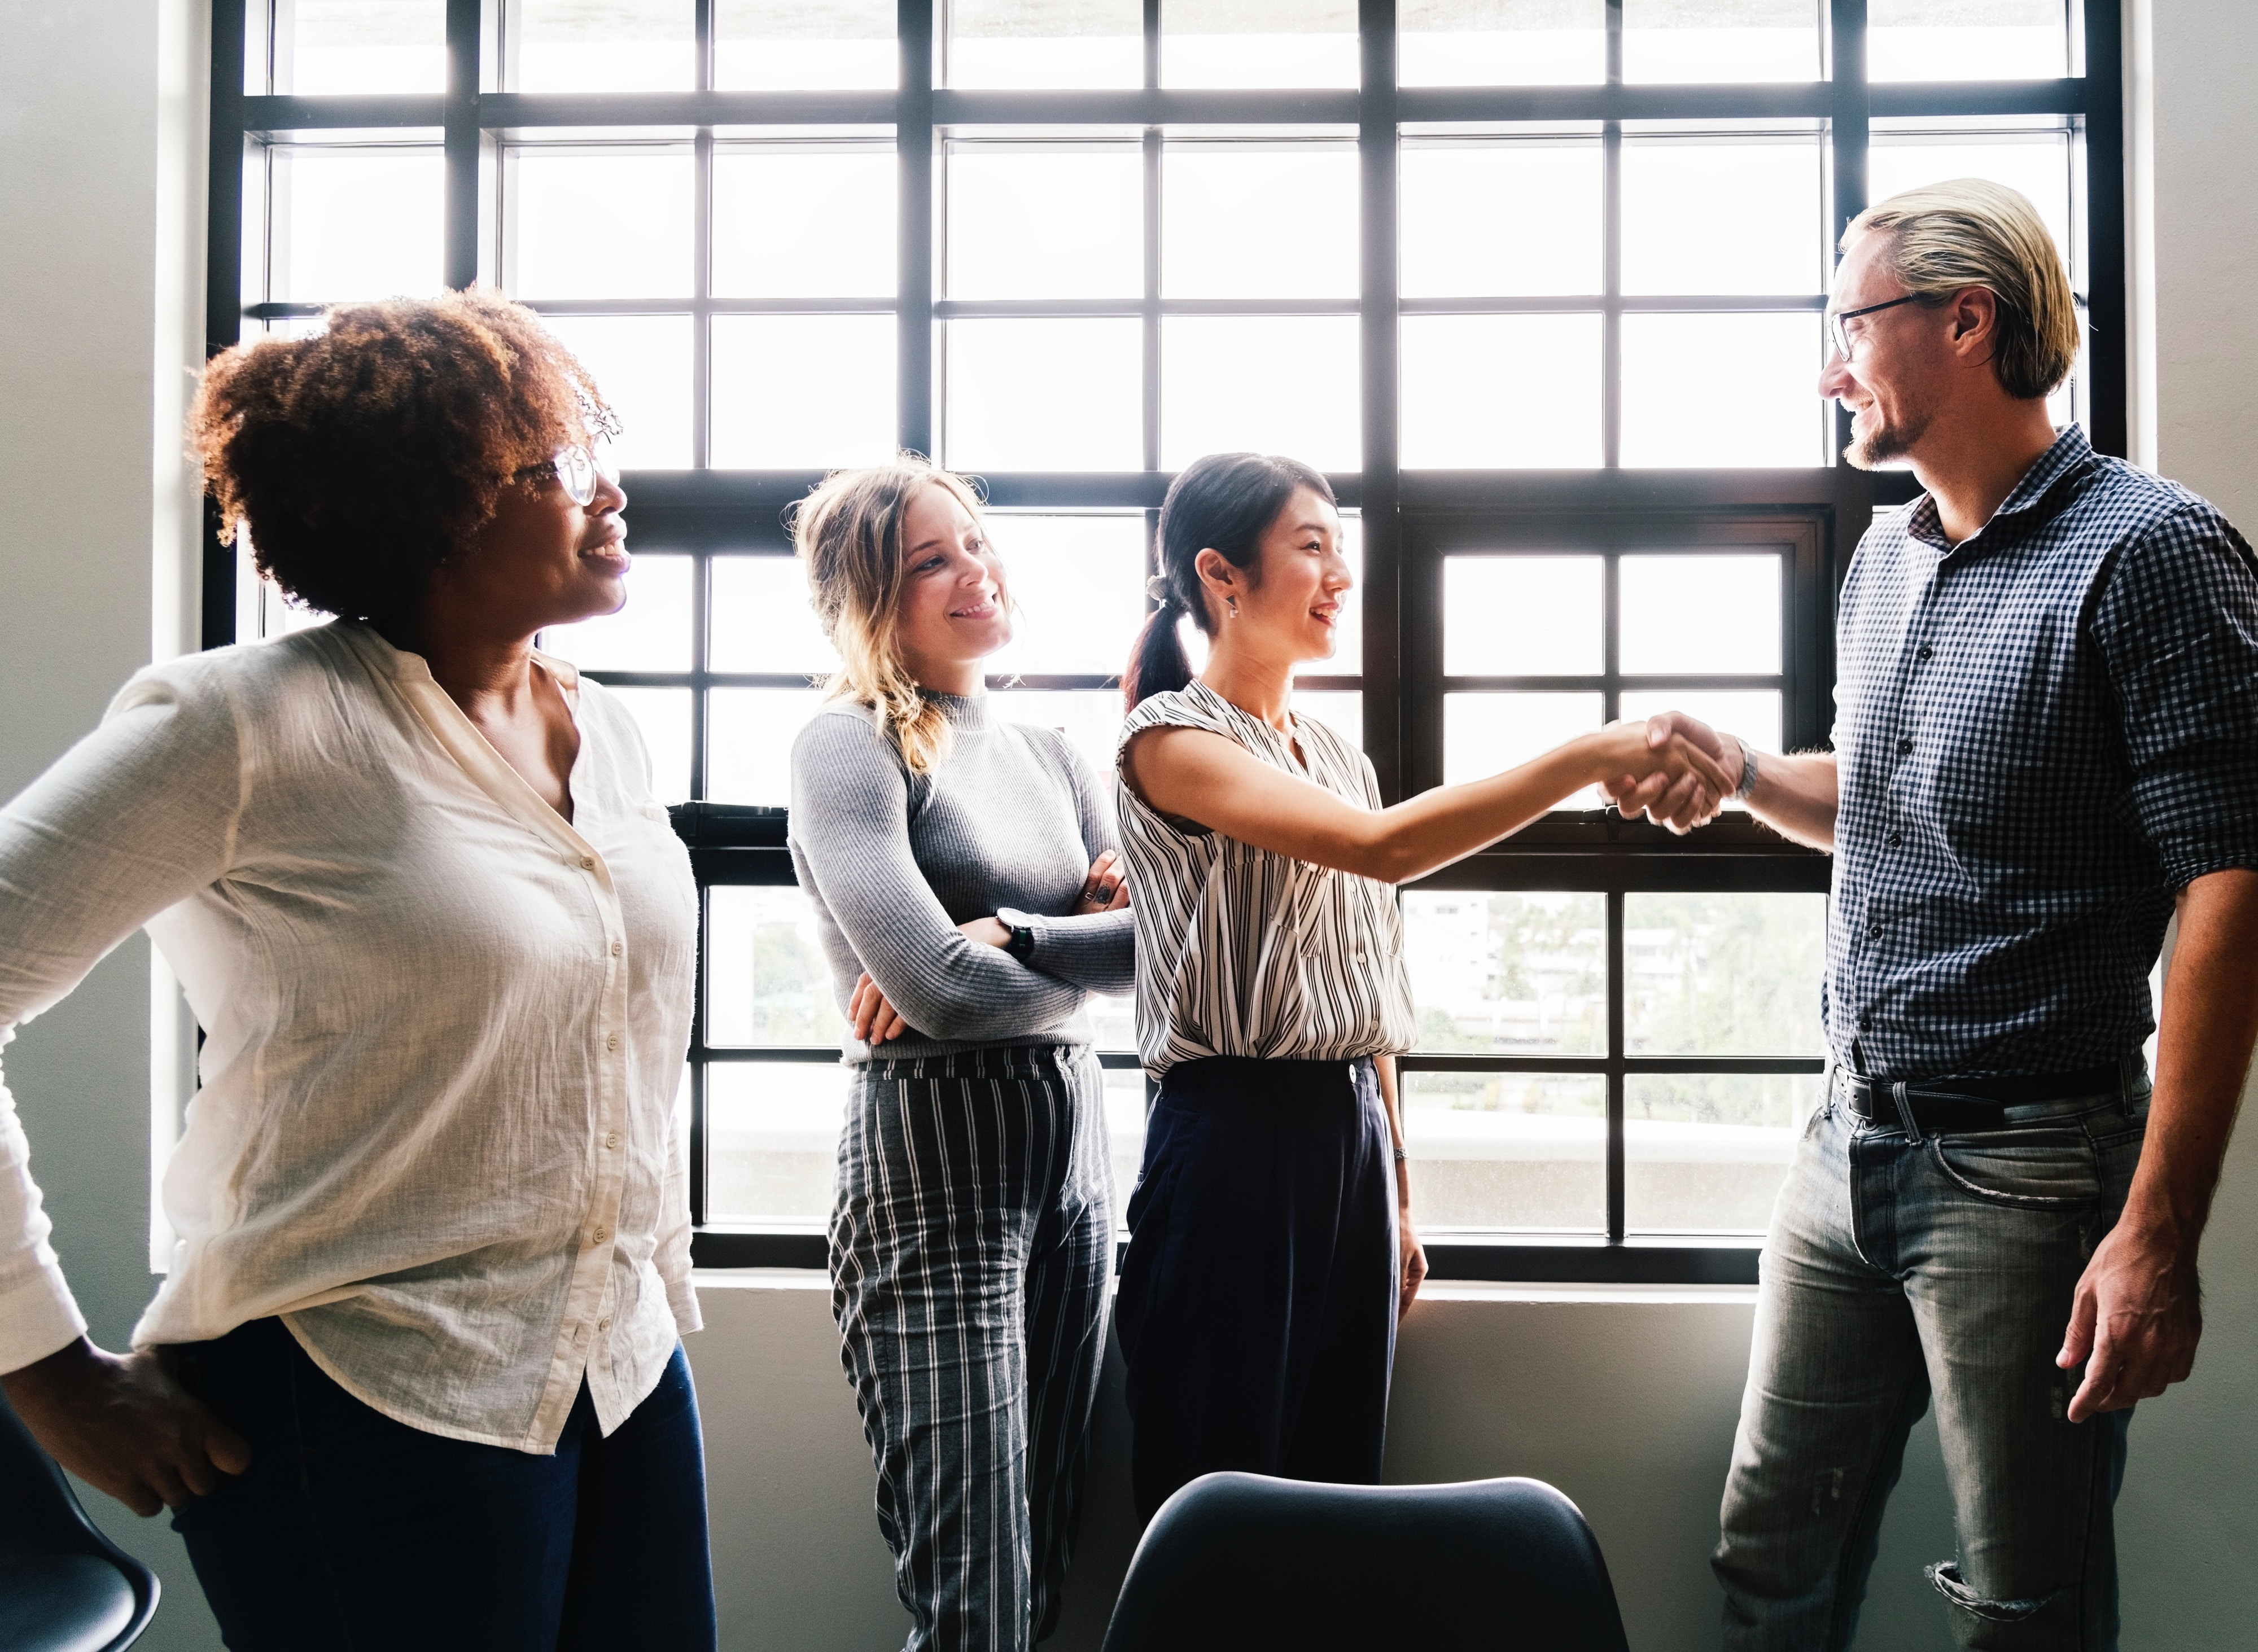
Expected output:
(1539, 283)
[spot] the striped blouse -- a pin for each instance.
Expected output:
(1246, 951)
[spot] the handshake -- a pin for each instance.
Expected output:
(1673, 768)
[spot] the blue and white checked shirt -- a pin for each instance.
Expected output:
(2043, 733)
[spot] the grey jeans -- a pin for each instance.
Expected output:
(1897, 1269)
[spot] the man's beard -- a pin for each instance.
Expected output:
(1885, 441)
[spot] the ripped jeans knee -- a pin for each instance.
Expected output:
(2000, 1624)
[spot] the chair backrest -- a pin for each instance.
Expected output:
(41, 1521)
(1246, 1562)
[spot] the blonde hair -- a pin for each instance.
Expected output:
(848, 534)
(1970, 232)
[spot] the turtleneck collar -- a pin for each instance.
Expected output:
(966, 713)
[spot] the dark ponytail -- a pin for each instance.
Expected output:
(1221, 503)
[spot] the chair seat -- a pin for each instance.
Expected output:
(62, 1603)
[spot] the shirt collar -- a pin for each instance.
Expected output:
(2071, 449)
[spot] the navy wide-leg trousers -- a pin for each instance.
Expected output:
(1257, 1304)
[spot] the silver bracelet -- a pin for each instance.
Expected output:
(1400, 1155)
(1748, 769)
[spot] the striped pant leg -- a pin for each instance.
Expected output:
(1067, 1274)
(944, 1170)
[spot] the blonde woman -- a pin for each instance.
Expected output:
(962, 871)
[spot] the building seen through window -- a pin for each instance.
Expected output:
(1547, 307)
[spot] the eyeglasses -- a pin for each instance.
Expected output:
(1846, 346)
(577, 470)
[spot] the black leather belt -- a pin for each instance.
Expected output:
(1941, 1105)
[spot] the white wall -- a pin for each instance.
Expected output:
(1626, 1400)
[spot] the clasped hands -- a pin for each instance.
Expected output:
(1104, 889)
(1675, 769)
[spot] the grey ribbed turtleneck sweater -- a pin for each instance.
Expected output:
(1010, 819)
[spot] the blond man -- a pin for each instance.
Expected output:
(2046, 742)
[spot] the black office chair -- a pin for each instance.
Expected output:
(1246, 1562)
(64, 1587)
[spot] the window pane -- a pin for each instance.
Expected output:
(1499, 220)
(1501, 42)
(1758, 376)
(773, 1140)
(1340, 710)
(1089, 718)
(766, 979)
(1087, 241)
(360, 45)
(748, 735)
(1039, 43)
(1721, 41)
(650, 634)
(1258, 43)
(1245, 221)
(600, 46)
(642, 365)
(1966, 40)
(354, 223)
(1272, 384)
(1700, 614)
(762, 619)
(1078, 583)
(1523, 616)
(1671, 189)
(1487, 733)
(810, 45)
(804, 223)
(2038, 163)
(1011, 381)
(1523, 1151)
(1708, 1153)
(1125, 1108)
(1724, 975)
(803, 392)
(1501, 392)
(662, 714)
(577, 224)
(1507, 973)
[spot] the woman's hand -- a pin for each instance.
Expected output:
(874, 1019)
(1628, 754)
(1414, 1258)
(1106, 888)
(122, 1423)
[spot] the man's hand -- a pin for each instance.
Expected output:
(1680, 802)
(122, 1423)
(2135, 1320)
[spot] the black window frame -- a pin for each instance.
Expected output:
(1410, 520)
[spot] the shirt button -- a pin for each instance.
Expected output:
(1925, 652)
(611, 1138)
(1904, 746)
(612, 1041)
(588, 863)
(603, 1236)
(1874, 928)
(603, 1324)
(1865, 1024)
(617, 949)
(1897, 840)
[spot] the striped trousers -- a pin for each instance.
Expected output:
(971, 1241)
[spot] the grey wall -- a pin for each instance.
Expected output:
(1624, 1399)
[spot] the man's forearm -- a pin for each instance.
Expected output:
(1797, 797)
(2202, 1053)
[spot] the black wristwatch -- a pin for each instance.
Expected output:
(1022, 944)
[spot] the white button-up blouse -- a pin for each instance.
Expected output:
(444, 1029)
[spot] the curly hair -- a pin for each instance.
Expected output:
(363, 459)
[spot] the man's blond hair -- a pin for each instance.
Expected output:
(1970, 232)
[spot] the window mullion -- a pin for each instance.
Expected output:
(465, 29)
(913, 140)
(1382, 523)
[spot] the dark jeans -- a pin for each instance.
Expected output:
(1257, 1303)
(351, 1530)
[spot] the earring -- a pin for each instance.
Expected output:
(1232, 604)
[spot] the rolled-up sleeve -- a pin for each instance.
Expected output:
(2177, 623)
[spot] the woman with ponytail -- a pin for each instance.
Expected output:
(1271, 1247)
(964, 874)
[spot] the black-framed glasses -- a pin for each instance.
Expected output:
(1845, 346)
(577, 470)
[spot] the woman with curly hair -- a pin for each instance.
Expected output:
(415, 1375)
